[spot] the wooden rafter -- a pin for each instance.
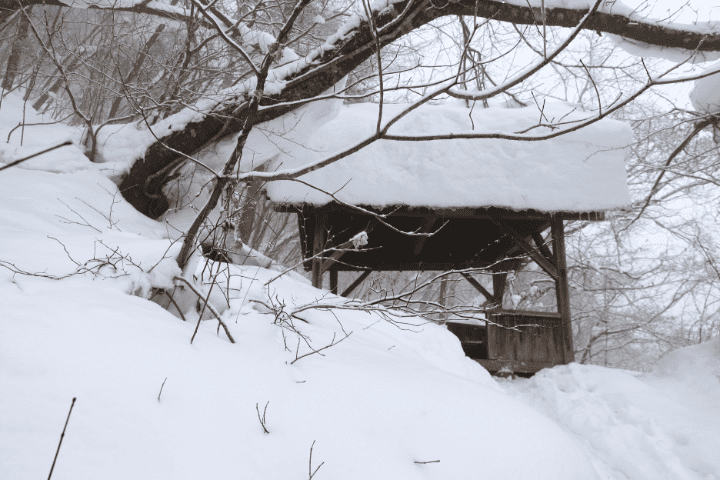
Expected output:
(542, 246)
(490, 298)
(506, 229)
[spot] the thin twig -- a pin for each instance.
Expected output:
(262, 420)
(62, 435)
(17, 162)
(310, 471)
(331, 344)
(161, 388)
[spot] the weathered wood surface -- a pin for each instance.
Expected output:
(479, 212)
(318, 245)
(524, 337)
(562, 290)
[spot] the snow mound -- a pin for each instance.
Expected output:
(664, 424)
(395, 396)
(579, 171)
(696, 365)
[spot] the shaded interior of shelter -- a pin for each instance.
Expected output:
(462, 238)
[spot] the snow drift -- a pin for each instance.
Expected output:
(395, 399)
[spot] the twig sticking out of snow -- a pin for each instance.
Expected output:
(161, 388)
(209, 306)
(310, 470)
(62, 435)
(262, 419)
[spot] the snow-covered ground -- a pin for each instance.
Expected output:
(394, 399)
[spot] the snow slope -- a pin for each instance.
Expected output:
(664, 424)
(396, 399)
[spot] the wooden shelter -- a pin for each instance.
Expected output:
(519, 341)
(488, 204)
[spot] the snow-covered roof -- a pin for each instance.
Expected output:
(578, 172)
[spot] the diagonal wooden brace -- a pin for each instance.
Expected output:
(506, 229)
(490, 298)
(542, 246)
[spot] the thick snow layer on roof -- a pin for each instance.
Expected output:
(579, 171)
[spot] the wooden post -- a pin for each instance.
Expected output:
(318, 246)
(499, 280)
(334, 281)
(562, 292)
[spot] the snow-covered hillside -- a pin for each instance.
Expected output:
(394, 399)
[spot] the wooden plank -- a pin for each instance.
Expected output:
(318, 246)
(355, 284)
(538, 258)
(488, 296)
(524, 337)
(562, 292)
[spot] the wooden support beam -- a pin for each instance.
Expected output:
(478, 287)
(318, 246)
(499, 282)
(355, 284)
(334, 281)
(562, 292)
(527, 248)
(542, 246)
